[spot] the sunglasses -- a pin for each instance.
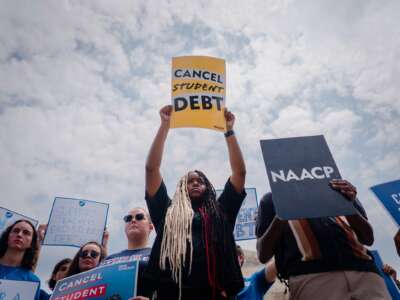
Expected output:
(137, 217)
(87, 253)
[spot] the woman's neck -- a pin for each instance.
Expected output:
(12, 258)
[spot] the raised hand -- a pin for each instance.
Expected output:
(345, 188)
(41, 232)
(165, 113)
(230, 119)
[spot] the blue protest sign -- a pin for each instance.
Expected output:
(117, 281)
(245, 225)
(389, 195)
(390, 284)
(299, 170)
(8, 217)
(74, 222)
(18, 290)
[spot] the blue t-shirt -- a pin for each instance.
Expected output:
(255, 286)
(21, 274)
(142, 255)
(44, 295)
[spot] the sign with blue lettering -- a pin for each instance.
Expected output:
(74, 222)
(390, 284)
(245, 225)
(18, 290)
(299, 170)
(116, 282)
(389, 194)
(8, 217)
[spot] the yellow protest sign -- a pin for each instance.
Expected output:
(198, 92)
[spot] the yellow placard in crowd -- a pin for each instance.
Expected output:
(198, 92)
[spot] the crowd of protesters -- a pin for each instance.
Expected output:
(194, 255)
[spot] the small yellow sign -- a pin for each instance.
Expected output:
(198, 92)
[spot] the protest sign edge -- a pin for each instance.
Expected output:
(383, 206)
(77, 199)
(37, 221)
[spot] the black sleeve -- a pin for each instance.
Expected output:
(265, 215)
(158, 205)
(231, 201)
(357, 204)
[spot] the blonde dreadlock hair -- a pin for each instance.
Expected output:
(178, 233)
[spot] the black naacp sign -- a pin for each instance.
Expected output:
(299, 170)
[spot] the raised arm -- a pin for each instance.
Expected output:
(358, 223)
(236, 160)
(153, 162)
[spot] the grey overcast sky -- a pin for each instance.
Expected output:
(81, 83)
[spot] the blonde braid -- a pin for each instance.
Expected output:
(177, 233)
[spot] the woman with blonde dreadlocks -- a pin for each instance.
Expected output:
(194, 255)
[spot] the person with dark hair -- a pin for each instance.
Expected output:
(88, 257)
(59, 272)
(257, 285)
(194, 255)
(138, 227)
(18, 253)
(322, 258)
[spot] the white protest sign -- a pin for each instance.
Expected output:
(73, 222)
(245, 225)
(8, 217)
(18, 290)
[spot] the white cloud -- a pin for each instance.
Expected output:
(81, 83)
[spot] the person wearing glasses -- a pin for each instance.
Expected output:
(88, 257)
(18, 253)
(138, 227)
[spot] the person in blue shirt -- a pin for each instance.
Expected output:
(257, 285)
(18, 253)
(138, 227)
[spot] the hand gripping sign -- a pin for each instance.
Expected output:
(198, 92)
(299, 170)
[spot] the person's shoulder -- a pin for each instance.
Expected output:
(124, 252)
(28, 275)
(260, 274)
(266, 198)
(146, 250)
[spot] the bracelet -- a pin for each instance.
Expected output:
(229, 133)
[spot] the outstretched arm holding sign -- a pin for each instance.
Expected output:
(235, 155)
(153, 163)
(154, 158)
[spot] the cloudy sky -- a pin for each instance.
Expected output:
(81, 83)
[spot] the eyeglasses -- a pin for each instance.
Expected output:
(89, 253)
(137, 217)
